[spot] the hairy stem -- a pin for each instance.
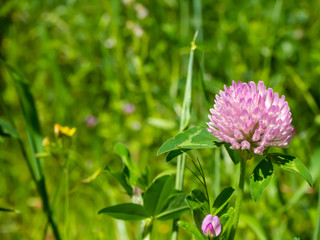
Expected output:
(243, 162)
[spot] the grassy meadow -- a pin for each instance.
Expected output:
(116, 71)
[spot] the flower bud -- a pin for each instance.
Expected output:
(211, 226)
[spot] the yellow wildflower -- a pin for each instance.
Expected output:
(63, 130)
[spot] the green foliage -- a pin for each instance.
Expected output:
(263, 172)
(226, 223)
(222, 200)
(130, 175)
(194, 138)
(192, 229)
(32, 127)
(256, 226)
(186, 106)
(199, 206)
(8, 210)
(174, 207)
(123, 151)
(292, 164)
(31, 123)
(126, 211)
(157, 194)
(260, 178)
(160, 202)
(234, 155)
(122, 179)
(7, 130)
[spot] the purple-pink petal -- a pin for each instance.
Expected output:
(216, 225)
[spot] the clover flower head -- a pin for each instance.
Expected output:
(129, 108)
(251, 117)
(91, 121)
(211, 226)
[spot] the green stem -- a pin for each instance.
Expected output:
(53, 204)
(180, 171)
(317, 228)
(217, 172)
(147, 229)
(66, 216)
(243, 161)
(181, 161)
(54, 226)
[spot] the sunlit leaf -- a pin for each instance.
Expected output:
(194, 138)
(260, 178)
(292, 164)
(126, 211)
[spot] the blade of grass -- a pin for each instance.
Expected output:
(317, 228)
(34, 138)
(184, 122)
(185, 113)
(24, 152)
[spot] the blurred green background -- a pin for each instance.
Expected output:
(115, 70)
